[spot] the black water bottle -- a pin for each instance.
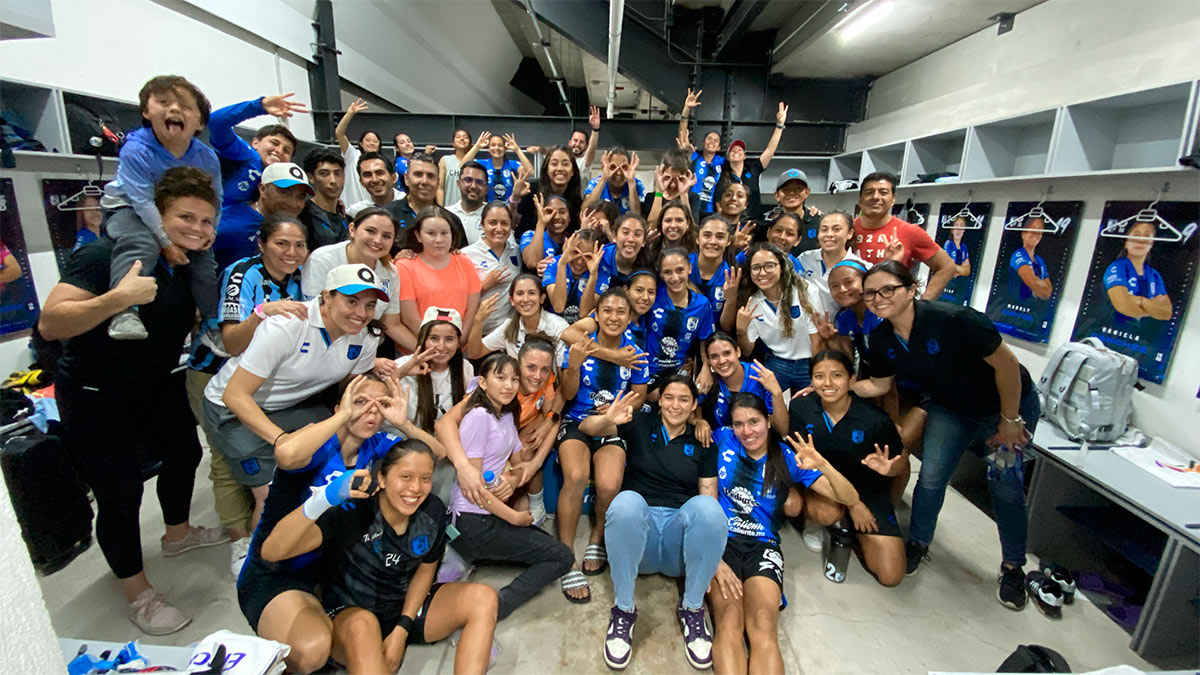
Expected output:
(839, 553)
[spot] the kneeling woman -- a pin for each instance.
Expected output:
(385, 549)
(861, 441)
(756, 470)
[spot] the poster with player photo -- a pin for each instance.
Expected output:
(1035, 250)
(916, 213)
(1141, 281)
(18, 298)
(73, 213)
(961, 232)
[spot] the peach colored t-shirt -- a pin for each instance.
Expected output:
(447, 288)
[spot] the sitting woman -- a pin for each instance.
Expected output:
(861, 441)
(734, 377)
(526, 298)
(494, 530)
(755, 470)
(278, 599)
(385, 548)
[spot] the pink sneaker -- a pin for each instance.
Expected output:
(153, 615)
(197, 537)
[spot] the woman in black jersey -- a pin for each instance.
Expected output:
(383, 550)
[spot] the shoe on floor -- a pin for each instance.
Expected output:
(813, 538)
(618, 642)
(197, 537)
(1061, 576)
(1011, 592)
(153, 615)
(238, 552)
(453, 567)
(127, 325)
(697, 638)
(1046, 593)
(914, 554)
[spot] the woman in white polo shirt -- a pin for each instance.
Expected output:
(528, 300)
(273, 387)
(497, 260)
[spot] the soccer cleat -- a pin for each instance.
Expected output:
(914, 554)
(697, 638)
(1011, 592)
(618, 642)
(1046, 593)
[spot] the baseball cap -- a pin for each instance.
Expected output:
(450, 316)
(285, 175)
(738, 142)
(353, 279)
(793, 174)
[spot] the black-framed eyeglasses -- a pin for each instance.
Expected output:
(764, 268)
(883, 292)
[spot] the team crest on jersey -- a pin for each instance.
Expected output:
(857, 435)
(353, 352)
(420, 545)
(693, 323)
(812, 233)
(795, 312)
(722, 473)
(719, 293)
(933, 346)
(689, 449)
(513, 259)
(626, 373)
(891, 354)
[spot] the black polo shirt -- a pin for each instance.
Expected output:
(324, 227)
(752, 170)
(944, 357)
(665, 472)
(846, 443)
(95, 359)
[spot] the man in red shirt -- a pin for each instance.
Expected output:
(879, 236)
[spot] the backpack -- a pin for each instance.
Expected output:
(93, 130)
(1034, 659)
(1087, 390)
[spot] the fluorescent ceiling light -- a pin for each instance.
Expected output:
(865, 18)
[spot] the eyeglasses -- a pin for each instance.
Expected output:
(765, 268)
(883, 292)
(473, 181)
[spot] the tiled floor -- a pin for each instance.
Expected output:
(945, 618)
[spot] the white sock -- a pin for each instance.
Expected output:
(537, 506)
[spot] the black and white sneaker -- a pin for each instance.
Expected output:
(914, 554)
(1011, 593)
(1061, 576)
(1046, 593)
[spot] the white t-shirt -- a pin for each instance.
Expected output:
(442, 391)
(583, 167)
(472, 221)
(297, 360)
(450, 193)
(817, 274)
(353, 193)
(766, 326)
(486, 260)
(316, 268)
(549, 323)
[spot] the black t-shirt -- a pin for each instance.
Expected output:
(95, 358)
(693, 202)
(850, 440)
(944, 357)
(665, 474)
(752, 170)
(808, 229)
(324, 228)
(369, 565)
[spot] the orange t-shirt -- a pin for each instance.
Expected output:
(447, 288)
(533, 405)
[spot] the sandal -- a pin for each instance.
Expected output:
(593, 553)
(572, 580)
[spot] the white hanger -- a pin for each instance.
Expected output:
(973, 222)
(1037, 212)
(1117, 229)
(912, 215)
(88, 190)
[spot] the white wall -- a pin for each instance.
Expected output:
(1170, 410)
(1059, 52)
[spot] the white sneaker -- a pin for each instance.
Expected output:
(153, 615)
(537, 507)
(814, 538)
(238, 552)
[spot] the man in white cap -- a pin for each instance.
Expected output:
(283, 189)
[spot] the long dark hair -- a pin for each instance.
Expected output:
(644, 256)
(728, 255)
(371, 212)
(776, 473)
(690, 241)
(831, 355)
(789, 284)
(513, 328)
(494, 363)
(573, 192)
(427, 410)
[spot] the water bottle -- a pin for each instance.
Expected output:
(839, 554)
(490, 480)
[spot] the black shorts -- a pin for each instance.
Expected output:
(884, 511)
(387, 623)
(257, 586)
(753, 558)
(569, 431)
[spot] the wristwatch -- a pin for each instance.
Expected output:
(780, 126)
(405, 622)
(554, 417)
(258, 311)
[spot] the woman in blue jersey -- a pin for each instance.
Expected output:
(714, 269)
(734, 377)
(755, 471)
(278, 598)
(547, 238)
(678, 322)
(502, 172)
(1028, 276)
(626, 253)
(957, 249)
(1135, 289)
(589, 384)
(642, 292)
(776, 307)
(569, 281)
(852, 324)
(861, 441)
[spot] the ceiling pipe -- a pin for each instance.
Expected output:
(544, 44)
(616, 14)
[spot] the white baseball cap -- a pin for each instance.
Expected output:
(284, 175)
(354, 279)
(450, 316)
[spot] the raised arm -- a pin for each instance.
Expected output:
(773, 144)
(298, 532)
(340, 131)
(692, 101)
(295, 450)
(589, 155)
(510, 142)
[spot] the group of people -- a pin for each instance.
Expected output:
(391, 371)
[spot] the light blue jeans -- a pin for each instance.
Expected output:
(947, 435)
(642, 539)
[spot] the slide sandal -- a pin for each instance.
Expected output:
(595, 553)
(572, 580)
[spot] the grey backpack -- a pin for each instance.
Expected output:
(1087, 390)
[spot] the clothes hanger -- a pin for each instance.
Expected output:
(1118, 229)
(1055, 226)
(75, 201)
(972, 221)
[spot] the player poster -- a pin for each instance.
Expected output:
(962, 229)
(1035, 250)
(915, 213)
(73, 213)
(1141, 280)
(18, 298)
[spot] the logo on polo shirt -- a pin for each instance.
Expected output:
(420, 545)
(250, 466)
(857, 435)
(809, 427)
(689, 449)
(304, 348)
(812, 233)
(513, 259)
(933, 346)
(795, 312)
(353, 352)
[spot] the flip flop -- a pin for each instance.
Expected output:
(593, 553)
(572, 580)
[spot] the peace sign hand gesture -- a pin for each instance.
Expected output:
(745, 315)
(895, 248)
(807, 457)
(733, 279)
(879, 462)
(825, 329)
(742, 236)
(781, 116)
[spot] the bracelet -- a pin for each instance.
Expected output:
(276, 441)
(780, 126)
(658, 194)
(258, 311)
(405, 622)
(1013, 420)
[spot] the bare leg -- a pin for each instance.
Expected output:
(761, 600)
(729, 633)
(822, 510)
(296, 619)
(883, 556)
(610, 470)
(471, 607)
(357, 641)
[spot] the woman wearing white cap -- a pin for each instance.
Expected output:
(272, 387)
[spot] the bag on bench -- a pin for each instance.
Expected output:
(1087, 390)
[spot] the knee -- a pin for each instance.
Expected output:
(484, 602)
(310, 653)
(890, 577)
(823, 512)
(575, 475)
(625, 506)
(708, 512)
(762, 624)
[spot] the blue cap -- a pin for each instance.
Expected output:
(792, 174)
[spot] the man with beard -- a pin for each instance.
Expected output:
(472, 187)
(378, 177)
